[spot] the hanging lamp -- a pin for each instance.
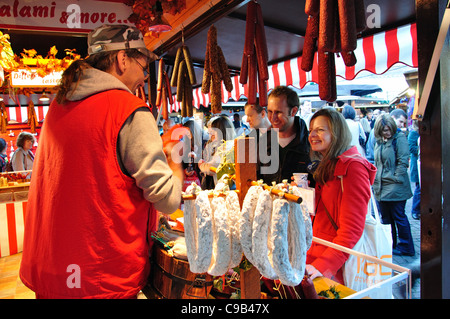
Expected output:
(159, 23)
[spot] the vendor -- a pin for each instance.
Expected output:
(100, 176)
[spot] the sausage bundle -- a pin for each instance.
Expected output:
(215, 71)
(183, 77)
(254, 69)
(332, 27)
(163, 90)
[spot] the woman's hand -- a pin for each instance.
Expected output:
(313, 272)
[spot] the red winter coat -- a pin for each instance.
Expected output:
(87, 223)
(347, 207)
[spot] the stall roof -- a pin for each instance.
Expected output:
(285, 24)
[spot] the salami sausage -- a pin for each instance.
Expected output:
(250, 28)
(347, 24)
(189, 65)
(262, 55)
(167, 86)
(243, 76)
(360, 15)
(312, 7)
(180, 81)
(252, 79)
(178, 58)
(327, 76)
(165, 111)
(224, 70)
(327, 17)
(310, 44)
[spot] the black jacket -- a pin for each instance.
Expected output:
(294, 158)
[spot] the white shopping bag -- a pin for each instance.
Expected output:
(376, 241)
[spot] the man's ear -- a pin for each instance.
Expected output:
(121, 61)
(294, 110)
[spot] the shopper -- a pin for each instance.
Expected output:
(23, 157)
(392, 186)
(100, 176)
(291, 153)
(343, 178)
(356, 129)
(221, 141)
(257, 117)
(413, 139)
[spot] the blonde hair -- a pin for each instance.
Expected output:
(381, 122)
(341, 138)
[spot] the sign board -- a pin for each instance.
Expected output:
(30, 78)
(62, 15)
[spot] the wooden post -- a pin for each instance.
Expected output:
(245, 164)
(245, 167)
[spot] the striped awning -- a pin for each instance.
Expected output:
(376, 53)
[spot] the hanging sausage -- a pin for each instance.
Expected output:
(215, 71)
(183, 77)
(332, 27)
(254, 69)
(163, 91)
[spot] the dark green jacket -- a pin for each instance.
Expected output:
(392, 161)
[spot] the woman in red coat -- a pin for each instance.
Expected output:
(343, 180)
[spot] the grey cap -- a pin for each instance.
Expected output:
(112, 37)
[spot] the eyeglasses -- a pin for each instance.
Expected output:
(144, 69)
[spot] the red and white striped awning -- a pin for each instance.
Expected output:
(376, 53)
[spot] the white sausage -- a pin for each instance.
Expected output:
(246, 220)
(260, 235)
(234, 211)
(221, 255)
(198, 232)
(288, 241)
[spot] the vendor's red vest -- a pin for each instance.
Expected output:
(87, 223)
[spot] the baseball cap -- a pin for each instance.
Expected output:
(112, 37)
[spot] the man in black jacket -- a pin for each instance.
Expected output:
(290, 144)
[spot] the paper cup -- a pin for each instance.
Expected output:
(301, 179)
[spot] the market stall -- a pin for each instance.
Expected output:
(401, 13)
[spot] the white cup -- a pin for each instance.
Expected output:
(301, 179)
